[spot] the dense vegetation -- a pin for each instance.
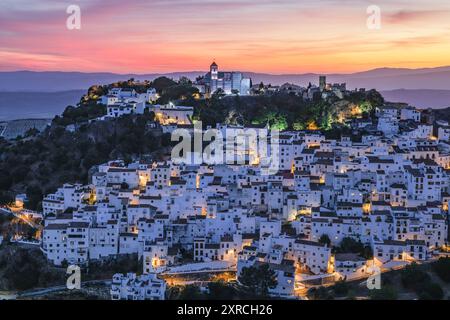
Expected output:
(22, 269)
(87, 109)
(419, 281)
(442, 269)
(284, 111)
(442, 114)
(350, 245)
(258, 280)
(39, 165)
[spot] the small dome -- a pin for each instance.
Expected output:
(214, 64)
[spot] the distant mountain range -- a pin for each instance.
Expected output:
(380, 79)
(34, 94)
(421, 98)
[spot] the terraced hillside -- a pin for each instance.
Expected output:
(16, 128)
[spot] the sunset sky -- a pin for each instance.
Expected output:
(276, 36)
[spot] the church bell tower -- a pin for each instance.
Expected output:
(214, 69)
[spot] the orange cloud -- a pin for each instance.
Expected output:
(285, 36)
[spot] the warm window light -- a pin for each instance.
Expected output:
(197, 181)
(366, 207)
(312, 126)
(155, 262)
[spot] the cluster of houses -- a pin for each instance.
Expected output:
(120, 102)
(133, 287)
(123, 101)
(388, 191)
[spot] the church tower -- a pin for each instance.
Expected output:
(214, 69)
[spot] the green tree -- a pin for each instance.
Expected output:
(350, 245)
(190, 292)
(35, 195)
(325, 239)
(442, 268)
(184, 81)
(5, 180)
(413, 277)
(385, 293)
(320, 293)
(375, 99)
(162, 83)
(258, 280)
(31, 132)
(221, 291)
(326, 121)
(341, 288)
(19, 172)
(218, 94)
(430, 291)
(5, 197)
(177, 92)
(279, 123)
(299, 125)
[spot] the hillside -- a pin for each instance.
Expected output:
(40, 164)
(15, 128)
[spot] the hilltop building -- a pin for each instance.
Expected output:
(229, 82)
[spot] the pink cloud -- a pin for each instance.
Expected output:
(160, 36)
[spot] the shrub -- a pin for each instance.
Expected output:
(431, 291)
(442, 268)
(221, 291)
(320, 293)
(325, 239)
(413, 277)
(341, 288)
(258, 279)
(385, 293)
